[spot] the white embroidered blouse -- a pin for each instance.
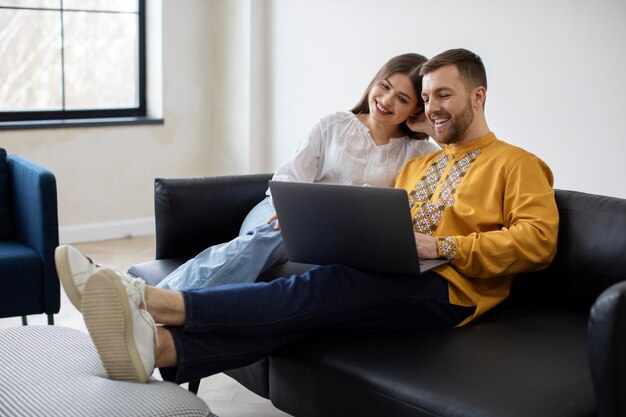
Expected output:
(340, 150)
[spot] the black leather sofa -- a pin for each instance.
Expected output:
(556, 347)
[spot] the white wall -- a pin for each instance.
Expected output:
(243, 80)
(555, 71)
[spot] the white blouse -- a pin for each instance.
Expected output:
(339, 149)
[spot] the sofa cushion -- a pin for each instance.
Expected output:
(154, 272)
(517, 363)
(20, 276)
(7, 225)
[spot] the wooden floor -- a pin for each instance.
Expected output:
(225, 396)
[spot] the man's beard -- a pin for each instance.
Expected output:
(458, 126)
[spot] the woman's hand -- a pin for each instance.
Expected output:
(271, 219)
(419, 123)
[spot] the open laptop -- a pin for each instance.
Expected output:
(367, 228)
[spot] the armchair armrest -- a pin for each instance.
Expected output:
(192, 214)
(606, 347)
(34, 196)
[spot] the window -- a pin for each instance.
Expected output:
(65, 60)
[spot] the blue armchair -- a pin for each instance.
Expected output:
(29, 233)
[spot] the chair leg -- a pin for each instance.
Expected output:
(50, 319)
(194, 386)
(24, 321)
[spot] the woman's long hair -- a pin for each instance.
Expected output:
(409, 65)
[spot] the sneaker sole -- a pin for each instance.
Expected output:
(108, 315)
(65, 276)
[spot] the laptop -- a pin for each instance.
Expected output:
(368, 228)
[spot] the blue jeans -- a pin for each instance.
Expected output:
(257, 248)
(234, 325)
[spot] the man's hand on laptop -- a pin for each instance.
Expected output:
(271, 219)
(426, 246)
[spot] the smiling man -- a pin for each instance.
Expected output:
(455, 101)
(485, 205)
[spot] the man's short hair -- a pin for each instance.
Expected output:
(469, 65)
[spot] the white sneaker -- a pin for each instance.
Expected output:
(73, 269)
(121, 328)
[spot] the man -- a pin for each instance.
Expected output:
(484, 204)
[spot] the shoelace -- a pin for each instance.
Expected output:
(93, 263)
(139, 285)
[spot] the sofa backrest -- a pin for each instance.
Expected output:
(192, 214)
(591, 253)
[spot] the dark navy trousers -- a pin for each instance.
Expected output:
(233, 325)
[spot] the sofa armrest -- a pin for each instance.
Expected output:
(192, 214)
(34, 196)
(606, 347)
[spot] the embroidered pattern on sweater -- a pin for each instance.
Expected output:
(425, 188)
(447, 247)
(428, 215)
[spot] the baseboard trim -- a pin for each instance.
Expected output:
(106, 231)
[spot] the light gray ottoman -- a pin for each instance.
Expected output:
(56, 371)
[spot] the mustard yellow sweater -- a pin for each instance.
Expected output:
(491, 207)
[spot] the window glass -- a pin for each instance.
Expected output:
(100, 60)
(31, 3)
(86, 60)
(110, 5)
(30, 52)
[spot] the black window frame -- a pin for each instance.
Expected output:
(52, 118)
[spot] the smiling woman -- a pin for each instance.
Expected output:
(65, 60)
